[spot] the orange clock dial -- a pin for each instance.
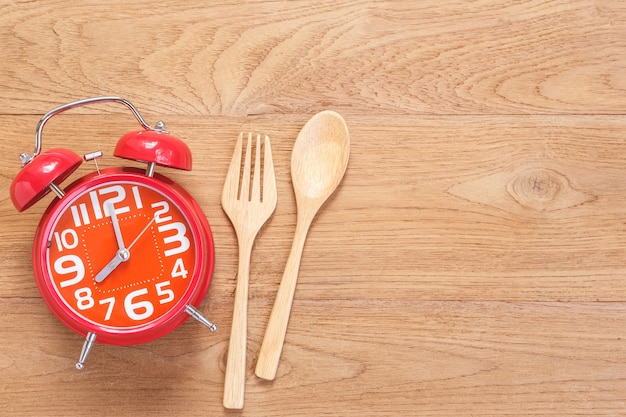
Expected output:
(143, 286)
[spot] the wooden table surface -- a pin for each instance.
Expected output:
(472, 262)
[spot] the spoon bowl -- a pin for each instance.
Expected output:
(318, 163)
(320, 156)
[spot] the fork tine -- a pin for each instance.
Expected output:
(231, 185)
(269, 178)
(256, 178)
(245, 179)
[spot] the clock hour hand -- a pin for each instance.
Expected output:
(122, 255)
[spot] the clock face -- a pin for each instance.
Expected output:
(122, 254)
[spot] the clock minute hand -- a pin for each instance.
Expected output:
(116, 226)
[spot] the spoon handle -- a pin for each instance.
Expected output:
(274, 338)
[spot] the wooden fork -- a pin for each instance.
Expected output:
(248, 209)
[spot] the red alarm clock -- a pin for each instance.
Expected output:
(122, 255)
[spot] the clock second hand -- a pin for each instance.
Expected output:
(122, 255)
(141, 233)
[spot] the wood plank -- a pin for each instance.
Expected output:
(443, 57)
(341, 357)
(432, 208)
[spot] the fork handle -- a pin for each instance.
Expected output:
(272, 345)
(235, 380)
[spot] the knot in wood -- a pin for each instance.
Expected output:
(541, 189)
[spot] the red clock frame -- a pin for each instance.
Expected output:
(199, 281)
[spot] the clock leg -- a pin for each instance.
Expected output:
(193, 312)
(89, 341)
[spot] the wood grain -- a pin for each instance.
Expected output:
(265, 57)
(472, 262)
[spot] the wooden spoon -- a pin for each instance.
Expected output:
(318, 163)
